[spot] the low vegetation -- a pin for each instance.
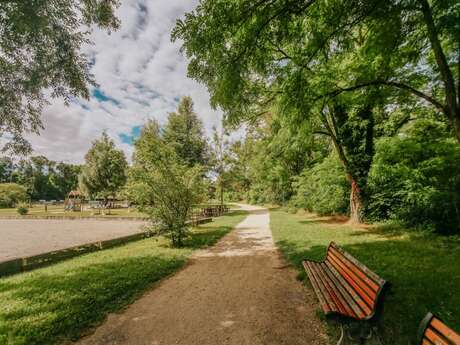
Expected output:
(55, 303)
(422, 267)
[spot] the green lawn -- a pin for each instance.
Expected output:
(57, 303)
(424, 269)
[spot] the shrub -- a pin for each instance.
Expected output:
(415, 178)
(11, 194)
(22, 210)
(323, 188)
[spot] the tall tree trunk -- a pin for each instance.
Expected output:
(221, 194)
(356, 203)
(456, 125)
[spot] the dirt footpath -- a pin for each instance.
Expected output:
(25, 237)
(238, 292)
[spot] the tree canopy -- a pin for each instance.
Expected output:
(40, 44)
(104, 171)
(184, 132)
(342, 69)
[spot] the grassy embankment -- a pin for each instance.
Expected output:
(59, 302)
(424, 269)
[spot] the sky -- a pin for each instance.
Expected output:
(141, 75)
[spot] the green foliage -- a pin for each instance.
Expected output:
(104, 172)
(323, 188)
(415, 178)
(41, 45)
(45, 179)
(6, 169)
(22, 210)
(12, 194)
(305, 53)
(162, 185)
(184, 132)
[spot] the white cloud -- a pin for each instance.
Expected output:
(139, 67)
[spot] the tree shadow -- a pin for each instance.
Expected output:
(48, 308)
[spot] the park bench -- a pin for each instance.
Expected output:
(347, 289)
(433, 331)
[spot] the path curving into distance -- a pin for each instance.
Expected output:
(238, 292)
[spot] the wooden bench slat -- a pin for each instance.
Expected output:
(435, 338)
(347, 299)
(325, 306)
(330, 296)
(445, 331)
(363, 267)
(344, 286)
(337, 293)
(351, 279)
(369, 283)
(356, 298)
(432, 331)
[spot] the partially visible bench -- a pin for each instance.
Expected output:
(345, 287)
(433, 331)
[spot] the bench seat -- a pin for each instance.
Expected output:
(433, 331)
(344, 286)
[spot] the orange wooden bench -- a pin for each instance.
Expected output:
(433, 331)
(345, 287)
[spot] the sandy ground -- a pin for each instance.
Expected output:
(20, 237)
(238, 292)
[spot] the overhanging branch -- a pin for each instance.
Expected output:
(395, 84)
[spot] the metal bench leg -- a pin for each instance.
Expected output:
(342, 334)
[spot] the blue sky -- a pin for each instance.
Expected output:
(140, 74)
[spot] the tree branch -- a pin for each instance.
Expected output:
(395, 84)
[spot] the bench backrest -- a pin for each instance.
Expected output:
(361, 280)
(433, 331)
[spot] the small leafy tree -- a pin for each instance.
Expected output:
(104, 172)
(12, 194)
(162, 185)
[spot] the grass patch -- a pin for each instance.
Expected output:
(424, 269)
(59, 302)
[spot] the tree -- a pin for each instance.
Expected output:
(324, 63)
(11, 194)
(40, 43)
(220, 160)
(250, 52)
(162, 185)
(184, 132)
(6, 169)
(104, 171)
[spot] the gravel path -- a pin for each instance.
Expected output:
(238, 292)
(21, 237)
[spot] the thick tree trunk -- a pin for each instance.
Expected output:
(356, 203)
(456, 125)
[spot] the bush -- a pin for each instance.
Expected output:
(415, 178)
(22, 210)
(323, 189)
(11, 194)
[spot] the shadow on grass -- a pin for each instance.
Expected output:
(424, 276)
(59, 305)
